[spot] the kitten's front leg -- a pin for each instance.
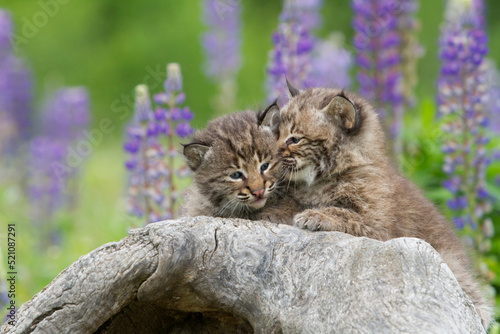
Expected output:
(280, 212)
(276, 216)
(341, 220)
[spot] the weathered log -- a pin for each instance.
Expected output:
(209, 275)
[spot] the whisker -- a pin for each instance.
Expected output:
(226, 206)
(290, 180)
(221, 210)
(295, 183)
(234, 208)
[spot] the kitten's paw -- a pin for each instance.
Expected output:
(311, 220)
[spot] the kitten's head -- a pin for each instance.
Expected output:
(323, 131)
(235, 164)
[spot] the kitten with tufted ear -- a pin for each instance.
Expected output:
(195, 153)
(292, 91)
(270, 116)
(344, 113)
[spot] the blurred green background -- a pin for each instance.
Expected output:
(110, 46)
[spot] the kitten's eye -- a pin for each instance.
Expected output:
(236, 175)
(292, 140)
(264, 166)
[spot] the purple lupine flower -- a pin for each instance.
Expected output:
(492, 77)
(304, 11)
(409, 48)
(66, 114)
(222, 40)
(149, 175)
(47, 170)
(458, 222)
(15, 93)
(492, 119)
(176, 122)
(168, 110)
(4, 298)
(459, 11)
(46, 186)
(64, 118)
(462, 101)
(292, 49)
(331, 64)
(16, 96)
(152, 193)
(55, 158)
(222, 45)
(377, 43)
(183, 130)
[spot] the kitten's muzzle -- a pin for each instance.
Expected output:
(259, 193)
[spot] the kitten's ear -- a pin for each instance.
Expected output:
(343, 111)
(195, 153)
(270, 116)
(292, 91)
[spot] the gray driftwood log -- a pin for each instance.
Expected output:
(207, 275)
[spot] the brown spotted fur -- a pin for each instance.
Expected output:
(234, 143)
(341, 174)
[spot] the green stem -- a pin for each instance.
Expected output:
(147, 204)
(170, 159)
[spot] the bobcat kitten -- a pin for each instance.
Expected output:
(334, 148)
(236, 170)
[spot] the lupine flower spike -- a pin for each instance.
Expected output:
(51, 170)
(492, 77)
(462, 96)
(174, 126)
(152, 192)
(377, 44)
(292, 49)
(409, 49)
(15, 98)
(222, 44)
(149, 175)
(306, 12)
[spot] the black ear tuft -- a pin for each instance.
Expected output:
(292, 91)
(270, 116)
(195, 153)
(262, 116)
(342, 93)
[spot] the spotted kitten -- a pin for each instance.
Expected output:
(236, 170)
(334, 148)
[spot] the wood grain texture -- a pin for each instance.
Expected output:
(209, 275)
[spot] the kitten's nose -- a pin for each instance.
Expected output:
(285, 152)
(259, 193)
